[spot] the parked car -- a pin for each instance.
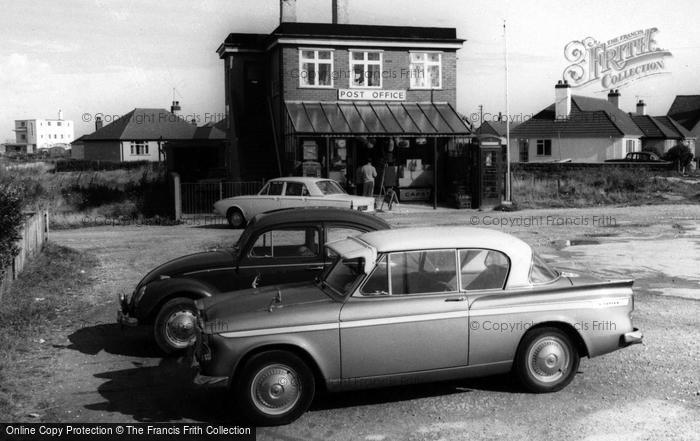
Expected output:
(640, 157)
(290, 192)
(405, 306)
(285, 245)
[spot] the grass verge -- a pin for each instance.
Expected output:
(43, 300)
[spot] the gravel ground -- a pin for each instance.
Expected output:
(649, 391)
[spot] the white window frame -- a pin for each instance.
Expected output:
(316, 61)
(544, 147)
(425, 64)
(365, 62)
(139, 145)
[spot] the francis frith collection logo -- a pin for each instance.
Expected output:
(615, 62)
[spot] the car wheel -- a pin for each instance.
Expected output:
(274, 387)
(546, 361)
(175, 325)
(235, 218)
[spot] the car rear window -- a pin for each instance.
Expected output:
(540, 272)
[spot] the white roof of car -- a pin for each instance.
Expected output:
(404, 239)
(304, 179)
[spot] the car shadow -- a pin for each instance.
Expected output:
(495, 383)
(111, 338)
(161, 393)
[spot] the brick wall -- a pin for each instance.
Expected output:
(395, 75)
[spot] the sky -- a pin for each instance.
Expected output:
(107, 56)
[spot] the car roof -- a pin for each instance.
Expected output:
(304, 179)
(318, 214)
(404, 239)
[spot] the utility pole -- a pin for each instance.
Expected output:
(507, 200)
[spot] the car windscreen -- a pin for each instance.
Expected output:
(329, 187)
(343, 275)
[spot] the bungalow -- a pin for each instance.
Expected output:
(137, 136)
(686, 110)
(576, 128)
(661, 133)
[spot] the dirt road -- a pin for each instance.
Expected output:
(644, 392)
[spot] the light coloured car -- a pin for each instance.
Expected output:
(405, 306)
(290, 192)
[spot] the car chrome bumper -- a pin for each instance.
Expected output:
(205, 380)
(631, 338)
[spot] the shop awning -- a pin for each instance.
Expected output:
(375, 119)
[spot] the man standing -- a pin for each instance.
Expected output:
(368, 173)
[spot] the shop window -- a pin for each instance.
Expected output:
(315, 68)
(426, 70)
(366, 68)
(544, 147)
(139, 148)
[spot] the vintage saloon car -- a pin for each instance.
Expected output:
(285, 245)
(288, 193)
(408, 305)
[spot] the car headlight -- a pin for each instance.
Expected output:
(138, 294)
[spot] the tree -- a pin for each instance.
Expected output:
(10, 222)
(680, 155)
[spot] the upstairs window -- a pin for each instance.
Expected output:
(366, 69)
(426, 70)
(315, 68)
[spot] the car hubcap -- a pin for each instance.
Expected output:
(548, 359)
(180, 328)
(275, 389)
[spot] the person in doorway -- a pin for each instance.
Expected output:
(368, 173)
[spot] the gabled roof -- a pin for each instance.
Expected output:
(589, 118)
(145, 124)
(686, 110)
(660, 127)
(674, 125)
(497, 128)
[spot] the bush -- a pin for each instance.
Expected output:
(10, 222)
(68, 165)
(679, 155)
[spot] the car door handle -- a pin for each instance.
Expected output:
(315, 268)
(456, 299)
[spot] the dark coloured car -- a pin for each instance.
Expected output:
(640, 157)
(280, 246)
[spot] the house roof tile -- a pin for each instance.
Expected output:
(145, 124)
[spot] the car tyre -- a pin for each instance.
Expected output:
(235, 218)
(546, 361)
(174, 328)
(273, 388)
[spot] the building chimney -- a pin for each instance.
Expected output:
(562, 100)
(614, 97)
(60, 115)
(340, 12)
(175, 108)
(98, 123)
(641, 108)
(288, 11)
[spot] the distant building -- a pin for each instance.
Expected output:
(578, 129)
(137, 136)
(661, 133)
(38, 134)
(686, 110)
